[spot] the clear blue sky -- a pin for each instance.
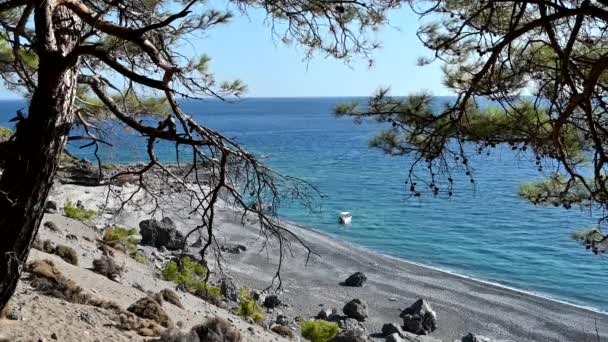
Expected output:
(245, 49)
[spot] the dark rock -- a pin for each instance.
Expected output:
(72, 237)
(198, 243)
(229, 290)
(393, 338)
(79, 204)
(326, 313)
(391, 328)
(51, 226)
(50, 207)
(282, 320)
(233, 248)
(419, 318)
(351, 324)
(272, 301)
(356, 309)
(478, 338)
(357, 279)
(159, 234)
(350, 336)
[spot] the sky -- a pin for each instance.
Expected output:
(245, 49)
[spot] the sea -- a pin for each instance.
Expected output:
(485, 230)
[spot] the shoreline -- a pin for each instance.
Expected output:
(451, 273)
(463, 304)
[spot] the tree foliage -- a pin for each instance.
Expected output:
(527, 74)
(79, 61)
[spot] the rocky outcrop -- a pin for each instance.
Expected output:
(357, 279)
(419, 318)
(229, 290)
(161, 233)
(356, 309)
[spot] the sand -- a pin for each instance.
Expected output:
(463, 305)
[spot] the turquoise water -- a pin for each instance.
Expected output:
(487, 232)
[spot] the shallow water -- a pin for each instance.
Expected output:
(486, 232)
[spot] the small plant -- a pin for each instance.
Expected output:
(319, 330)
(248, 307)
(282, 331)
(126, 240)
(67, 253)
(108, 267)
(191, 274)
(140, 258)
(74, 212)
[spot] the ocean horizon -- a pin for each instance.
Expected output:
(486, 232)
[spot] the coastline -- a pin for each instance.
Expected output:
(463, 304)
(450, 272)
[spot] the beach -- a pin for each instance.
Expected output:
(462, 305)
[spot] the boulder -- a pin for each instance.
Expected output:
(162, 233)
(357, 279)
(351, 324)
(282, 320)
(50, 207)
(233, 248)
(391, 328)
(356, 309)
(229, 290)
(419, 318)
(272, 301)
(350, 336)
(326, 313)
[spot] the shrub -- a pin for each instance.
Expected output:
(5, 133)
(213, 330)
(108, 267)
(319, 330)
(149, 308)
(282, 331)
(248, 307)
(210, 294)
(124, 239)
(80, 214)
(171, 297)
(67, 253)
(191, 274)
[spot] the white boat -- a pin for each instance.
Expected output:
(345, 217)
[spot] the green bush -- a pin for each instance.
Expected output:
(248, 307)
(124, 239)
(5, 133)
(73, 212)
(319, 330)
(191, 275)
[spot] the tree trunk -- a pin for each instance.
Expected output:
(38, 142)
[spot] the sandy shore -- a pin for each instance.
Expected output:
(463, 305)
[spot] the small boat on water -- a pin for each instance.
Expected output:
(345, 217)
